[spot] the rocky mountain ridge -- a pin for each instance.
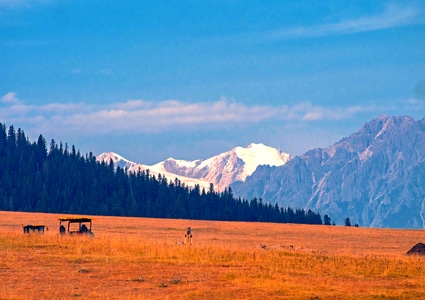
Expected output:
(376, 177)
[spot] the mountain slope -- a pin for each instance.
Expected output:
(220, 170)
(157, 169)
(376, 177)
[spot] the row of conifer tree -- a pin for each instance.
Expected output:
(58, 179)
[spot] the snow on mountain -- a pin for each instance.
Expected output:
(376, 177)
(220, 170)
(155, 170)
(228, 167)
(117, 159)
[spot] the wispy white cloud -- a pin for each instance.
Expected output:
(393, 16)
(10, 98)
(414, 104)
(139, 116)
(318, 113)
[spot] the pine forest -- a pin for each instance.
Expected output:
(35, 177)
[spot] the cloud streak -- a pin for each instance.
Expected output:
(393, 16)
(139, 116)
(10, 97)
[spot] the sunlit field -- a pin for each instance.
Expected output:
(138, 258)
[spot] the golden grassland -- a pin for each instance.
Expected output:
(139, 258)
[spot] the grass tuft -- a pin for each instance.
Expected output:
(84, 271)
(176, 279)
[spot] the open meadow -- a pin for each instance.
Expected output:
(139, 258)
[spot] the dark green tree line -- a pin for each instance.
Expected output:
(35, 177)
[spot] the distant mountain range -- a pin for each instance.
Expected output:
(221, 170)
(376, 176)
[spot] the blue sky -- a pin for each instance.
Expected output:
(191, 79)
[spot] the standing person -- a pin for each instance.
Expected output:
(62, 229)
(188, 237)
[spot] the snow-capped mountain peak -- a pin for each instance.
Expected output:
(220, 170)
(260, 154)
(117, 159)
(228, 167)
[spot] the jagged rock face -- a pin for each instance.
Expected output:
(376, 177)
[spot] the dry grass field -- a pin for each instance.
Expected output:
(137, 258)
